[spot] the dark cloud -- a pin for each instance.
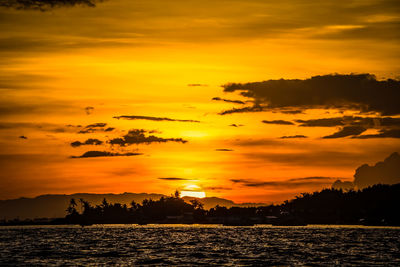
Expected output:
(236, 125)
(44, 5)
(383, 172)
(95, 154)
(293, 111)
(254, 108)
(96, 127)
(355, 125)
(137, 136)
(228, 100)
(279, 122)
(223, 149)
(22, 137)
(392, 133)
(361, 92)
(89, 141)
(125, 117)
(89, 110)
(293, 136)
(346, 131)
(325, 122)
(290, 183)
(367, 122)
(175, 179)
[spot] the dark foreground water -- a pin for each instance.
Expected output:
(199, 245)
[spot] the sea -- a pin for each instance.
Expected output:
(193, 245)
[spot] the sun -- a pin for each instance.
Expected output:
(193, 191)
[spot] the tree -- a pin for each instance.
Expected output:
(177, 194)
(72, 207)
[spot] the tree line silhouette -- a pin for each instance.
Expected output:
(376, 205)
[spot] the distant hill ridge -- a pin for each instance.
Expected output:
(54, 205)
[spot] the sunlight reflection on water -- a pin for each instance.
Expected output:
(199, 244)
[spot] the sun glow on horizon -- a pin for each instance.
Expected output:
(198, 194)
(193, 191)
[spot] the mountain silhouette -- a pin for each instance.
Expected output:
(54, 206)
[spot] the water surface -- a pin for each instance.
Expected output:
(199, 245)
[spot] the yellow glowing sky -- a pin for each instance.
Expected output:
(126, 57)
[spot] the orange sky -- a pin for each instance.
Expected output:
(142, 58)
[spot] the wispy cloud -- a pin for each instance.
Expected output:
(95, 154)
(289, 183)
(176, 179)
(279, 122)
(346, 131)
(133, 117)
(228, 100)
(44, 5)
(293, 136)
(90, 141)
(137, 136)
(96, 127)
(196, 84)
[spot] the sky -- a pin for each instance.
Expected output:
(250, 100)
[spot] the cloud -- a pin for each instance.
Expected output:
(223, 149)
(125, 117)
(196, 84)
(392, 133)
(228, 100)
(216, 188)
(137, 136)
(21, 81)
(279, 122)
(89, 141)
(309, 157)
(44, 5)
(362, 92)
(289, 183)
(96, 127)
(346, 131)
(176, 179)
(325, 122)
(89, 110)
(355, 125)
(254, 108)
(368, 122)
(25, 105)
(236, 125)
(383, 172)
(95, 154)
(22, 137)
(45, 127)
(293, 111)
(293, 136)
